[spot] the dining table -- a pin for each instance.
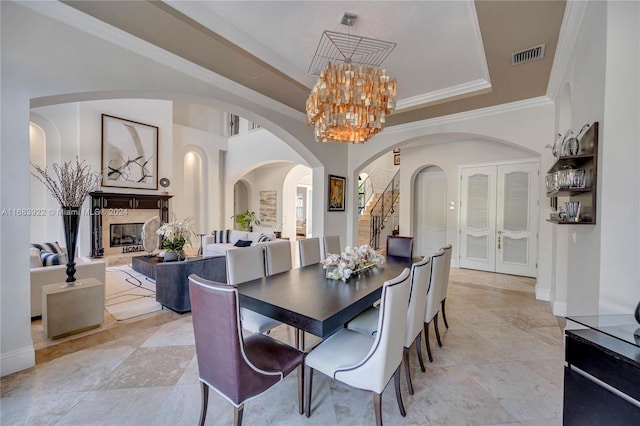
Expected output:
(308, 301)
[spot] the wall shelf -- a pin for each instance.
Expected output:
(586, 159)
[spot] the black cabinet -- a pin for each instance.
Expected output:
(602, 372)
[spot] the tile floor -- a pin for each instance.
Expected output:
(501, 364)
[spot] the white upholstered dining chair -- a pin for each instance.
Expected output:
(331, 245)
(367, 322)
(433, 298)
(246, 264)
(309, 251)
(447, 254)
(366, 362)
(277, 256)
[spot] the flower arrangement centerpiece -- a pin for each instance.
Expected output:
(175, 235)
(352, 260)
(69, 184)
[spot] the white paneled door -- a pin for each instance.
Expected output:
(498, 223)
(431, 211)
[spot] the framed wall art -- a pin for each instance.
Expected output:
(129, 153)
(336, 200)
(396, 159)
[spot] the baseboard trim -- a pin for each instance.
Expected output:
(17, 360)
(559, 309)
(543, 294)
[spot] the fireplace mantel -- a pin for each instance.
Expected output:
(103, 203)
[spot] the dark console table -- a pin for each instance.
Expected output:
(602, 372)
(172, 278)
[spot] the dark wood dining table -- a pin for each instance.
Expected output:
(305, 299)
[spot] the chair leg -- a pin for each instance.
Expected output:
(377, 408)
(308, 384)
(407, 369)
(300, 339)
(237, 415)
(396, 379)
(419, 350)
(444, 316)
(426, 341)
(435, 325)
(300, 389)
(204, 388)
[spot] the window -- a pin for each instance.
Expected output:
(234, 124)
(299, 206)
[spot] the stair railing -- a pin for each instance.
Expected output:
(365, 192)
(382, 209)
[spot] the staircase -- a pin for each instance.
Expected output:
(374, 207)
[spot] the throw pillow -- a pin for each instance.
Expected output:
(262, 238)
(221, 236)
(242, 243)
(48, 247)
(49, 259)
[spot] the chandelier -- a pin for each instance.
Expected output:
(351, 99)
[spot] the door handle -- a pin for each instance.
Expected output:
(499, 238)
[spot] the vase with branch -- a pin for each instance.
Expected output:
(69, 183)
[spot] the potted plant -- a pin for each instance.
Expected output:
(246, 219)
(175, 235)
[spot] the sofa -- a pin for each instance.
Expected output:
(219, 242)
(43, 275)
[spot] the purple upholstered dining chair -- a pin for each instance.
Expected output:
(237, 368)
(399, 246)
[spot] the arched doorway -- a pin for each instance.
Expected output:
(241, 195)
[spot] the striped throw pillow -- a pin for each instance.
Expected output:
(221, 236)
(49, 259)
(48, 247)
(262, 238)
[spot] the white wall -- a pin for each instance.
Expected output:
(620, 191)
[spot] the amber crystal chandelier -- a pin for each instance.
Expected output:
(352, 97)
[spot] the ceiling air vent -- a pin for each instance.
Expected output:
(527, 55)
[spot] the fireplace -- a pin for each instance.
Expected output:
(117, 219)
(125, 234)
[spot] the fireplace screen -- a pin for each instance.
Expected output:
(126, 234)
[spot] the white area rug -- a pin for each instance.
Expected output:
(129, 293)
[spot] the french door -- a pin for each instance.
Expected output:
(499, 216)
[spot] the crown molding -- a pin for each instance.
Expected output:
(459, 90)
(88, 24)
(476, 113)
(574, 14)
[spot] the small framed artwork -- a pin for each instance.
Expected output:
(396, 159)
(129, 153)
(336, 194)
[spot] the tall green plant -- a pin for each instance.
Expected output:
(246, 219)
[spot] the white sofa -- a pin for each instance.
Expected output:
(43, 275)
(228, 240)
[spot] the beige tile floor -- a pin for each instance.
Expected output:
(501, 364)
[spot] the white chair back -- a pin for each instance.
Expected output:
(331, 245)
(447, 254)
(245, 264)
(435, 286)
(375, 370)
(420, 278)
(277, 256)
(309, 251)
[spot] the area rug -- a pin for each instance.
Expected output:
(129, 293)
